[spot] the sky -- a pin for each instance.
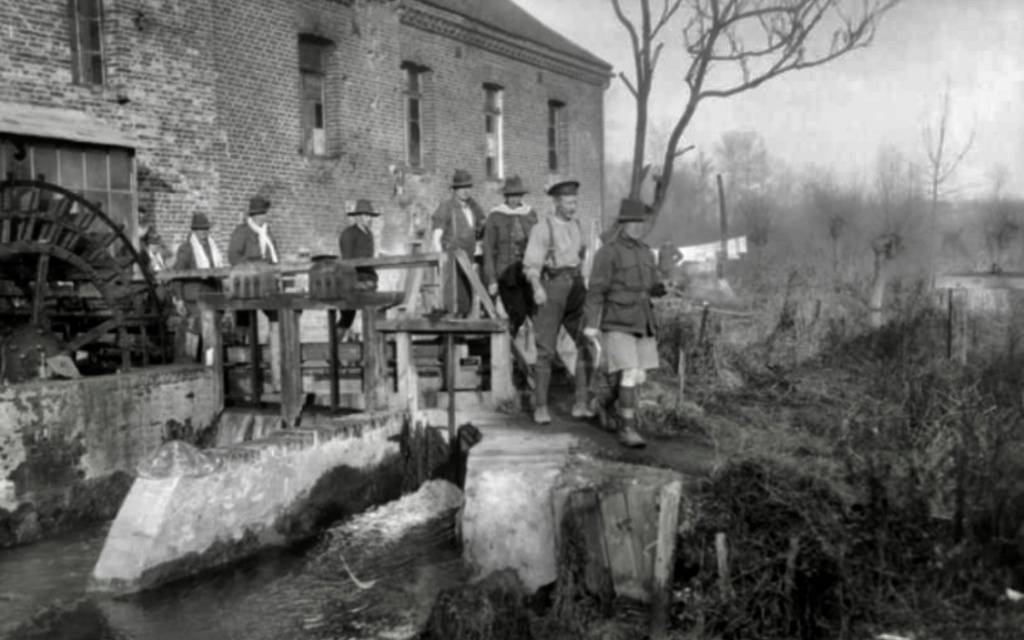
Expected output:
(839, 115)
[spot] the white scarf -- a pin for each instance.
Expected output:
(521, 210)
(266, 246)
(202, 262)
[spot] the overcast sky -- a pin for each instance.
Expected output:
(840, 114)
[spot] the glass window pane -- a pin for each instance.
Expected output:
(72, 175)
(44, 163)
(96, 170)
(120, 210)
(412, 80)
(19, 169)
(414, 109)
(89, 9)
(96, 68)
(120, 170)
(414, 144)
(100, 199)
(311, 57)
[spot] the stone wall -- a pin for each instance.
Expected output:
(68, 449)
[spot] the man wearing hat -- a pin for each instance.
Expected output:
(623, 280)
(552, 261)
(505, 235)
(356, 241)
(458, 224)
(251, 241)
(199, 251)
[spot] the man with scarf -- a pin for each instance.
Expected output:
(356, 241)
(552, 262)
(198, 252)
(251, 241)
(506, 233)
(624, 278)
(458, 224)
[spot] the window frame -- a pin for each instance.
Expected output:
(312, 143)
(558, 152)
(410, 95)
(87, 61)
(494, 118)
(78, 153)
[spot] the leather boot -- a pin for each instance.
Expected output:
(628, 435)
(542, 377)
(581, 408)
(605, 388)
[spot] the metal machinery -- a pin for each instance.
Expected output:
(75, 295)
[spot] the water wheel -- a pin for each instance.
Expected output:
(68, 270)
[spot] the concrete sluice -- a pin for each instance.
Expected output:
(374, 576)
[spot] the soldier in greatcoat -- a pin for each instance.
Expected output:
(356, 241)
(506, 233)
(458, 223)
(623, 280)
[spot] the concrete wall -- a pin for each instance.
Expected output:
(61, 441)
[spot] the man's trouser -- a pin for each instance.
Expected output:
(563, 308)
(516, 296)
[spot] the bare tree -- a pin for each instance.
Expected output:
(942, 164)
(759, 39)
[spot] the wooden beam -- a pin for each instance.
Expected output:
(665, 557)
(332, 356)
(39, 295)
(290, 368)
(91, 335)
(980, 281)
(501, 368)
(375, 378)
(213, 351)
(408, 382)
(479, 290)
(290, 268)
(354, 300)
(449, 325)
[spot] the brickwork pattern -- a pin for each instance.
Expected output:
(159, 91)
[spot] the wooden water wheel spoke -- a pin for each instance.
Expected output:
(39, 295)
(49, 234)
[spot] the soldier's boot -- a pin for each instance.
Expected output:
(581, 408)
(605, 392)
(542, 379)
(628, 435)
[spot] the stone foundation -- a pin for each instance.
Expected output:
(68, 448)
(191, 510)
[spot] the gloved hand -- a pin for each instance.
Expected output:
(591, 333)
(657, 290)
(492, 289)
(539, 295)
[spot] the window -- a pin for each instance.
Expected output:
(312, 69)
(558, 141)
(493, 129)
(415, 76)
(103, 175)
(85, 23)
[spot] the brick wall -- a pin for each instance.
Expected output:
(159, 91)
(214, 104)
(258, 100)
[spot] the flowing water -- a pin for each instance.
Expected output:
(375, 576)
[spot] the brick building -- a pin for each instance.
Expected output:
(313, 103)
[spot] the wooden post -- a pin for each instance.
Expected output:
(665, 557)
(682, 375)
(449, 355)
(375, 378)
(723, 230)
(291, 367)
(408, 380)
(957, 339)
(332, 358)
(722, 557)
(256, 376)
(213, 351)
(501, 368)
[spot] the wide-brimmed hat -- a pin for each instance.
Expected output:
(258, 205)
(633, 211)
(563, 186)
(461, 179)
(200, 222)
(514, 187)
(363, 208)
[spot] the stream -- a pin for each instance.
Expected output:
(373, 576)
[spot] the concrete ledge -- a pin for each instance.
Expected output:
(190, 510)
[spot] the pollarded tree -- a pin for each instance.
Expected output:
(734, 46)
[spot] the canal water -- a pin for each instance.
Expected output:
(374, 576)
